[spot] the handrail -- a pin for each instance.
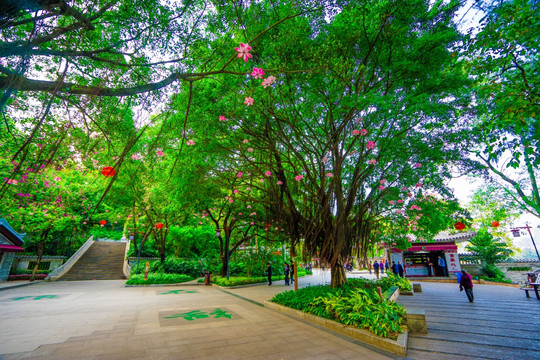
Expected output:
(62, 270)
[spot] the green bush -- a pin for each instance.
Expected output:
(355, 303)
(158, 278)
(520, 268)
(243, 280)
(393, 280)
(493, 273)
(103, 233)
(191, 267)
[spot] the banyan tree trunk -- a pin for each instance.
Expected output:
(338, 274)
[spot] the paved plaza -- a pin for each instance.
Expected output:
(105, 320)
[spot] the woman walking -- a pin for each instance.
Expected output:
(466, 283)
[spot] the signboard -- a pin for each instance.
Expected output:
(416, 271)
(452, 261)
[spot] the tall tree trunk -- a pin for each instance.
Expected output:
(338, 274)
(223, 265)
(41, 246)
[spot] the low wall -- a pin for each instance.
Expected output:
(515, 276)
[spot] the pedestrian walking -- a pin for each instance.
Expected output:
(286, 274)
(291, 272)
(381, 267)
(269, 273)
(442, 266)
(400, 269)
(466, 283)
(395, 268)
(369, 266)
(376, 269)
(386, 266)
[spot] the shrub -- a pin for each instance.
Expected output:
(158, 278)
(519, 268)
(189, 267)
(493, 273)
(393, 280)
(104, 233)
(243, 280)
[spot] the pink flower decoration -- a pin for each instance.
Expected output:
(370, 145)
(231, 201)
(243, 51)
(417, 165)
(410, 194)
(250, 149)
(245, 141)
(329, 175)
(414, 207)
(84, 222)
(268, 81)
(381, 187)
(356, 132)
(392, 202)
(363, 132)
(160, 153)
(419, 185)
(268, 173)
(400, 201)
(324, 159)
(257, 73)
(404, 189)
(298, 177)
(190, 142)
(239, 214)
(249, 207)
(253, 223)
(239, 174)
(235, 191)
(222, 118)
(383, 181)
(280, 182)
(248, 101)
(135, 157)
(372, 162)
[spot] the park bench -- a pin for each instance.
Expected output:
(532, 284)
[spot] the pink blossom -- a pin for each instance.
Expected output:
(280, 182)
(261, 180)
(419, 185)
(235, 191)
(239, 214)
(249, 101)
(248, 189)
(404, 189)
(410, 194)
(329, 175)
(268, 81)
(268, 173)
(414, 207)
(370, 145)
(243, 51)
(400, 201)
(84, 222)
(372, 162)
(324, 159)
(383, 181)
(135, 157)
(257, 73)
(381, 187)
(200, 222)
(160, 153)
(253, 223)
(190, 143)
(353, 152)
(250, 149)
(363, 132)
(245, 141)
(231, 200)
(392, 202)
(298, 177)
(356, 132)
(417, 165)
(249, 207)
(239, 174)
(12, 181)
(222, 118)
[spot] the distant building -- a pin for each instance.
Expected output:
(422, 257)
(10, 243)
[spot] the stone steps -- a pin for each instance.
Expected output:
(104, 260)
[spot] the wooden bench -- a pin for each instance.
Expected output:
(535, 287)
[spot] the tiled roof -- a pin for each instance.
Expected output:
(445, 236)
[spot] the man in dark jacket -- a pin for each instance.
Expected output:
(466, 283)
(376, 269)
(269, 273)
(395, 268)
(400, 269)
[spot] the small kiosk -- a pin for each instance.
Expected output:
(10, 243)
(421, 259)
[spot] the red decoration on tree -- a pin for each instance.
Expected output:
(459, 226)
(108, 171)
(495, 224)
(159, 225)
(103, 222)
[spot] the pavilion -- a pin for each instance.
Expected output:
(10, 243)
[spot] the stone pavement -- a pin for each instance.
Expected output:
(105, 320)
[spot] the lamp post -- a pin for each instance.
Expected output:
(515, 232)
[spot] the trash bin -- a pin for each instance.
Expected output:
(458, 274)
(207, 278)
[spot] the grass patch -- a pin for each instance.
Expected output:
(158, 278)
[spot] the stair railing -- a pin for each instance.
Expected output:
(62, 270)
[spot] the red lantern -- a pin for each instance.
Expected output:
(459, 226)
(103, 222)
(159, 225)
(108, 171)
(495, 224)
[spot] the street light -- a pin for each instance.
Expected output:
(515, 232)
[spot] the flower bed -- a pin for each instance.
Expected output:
(355, 304)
